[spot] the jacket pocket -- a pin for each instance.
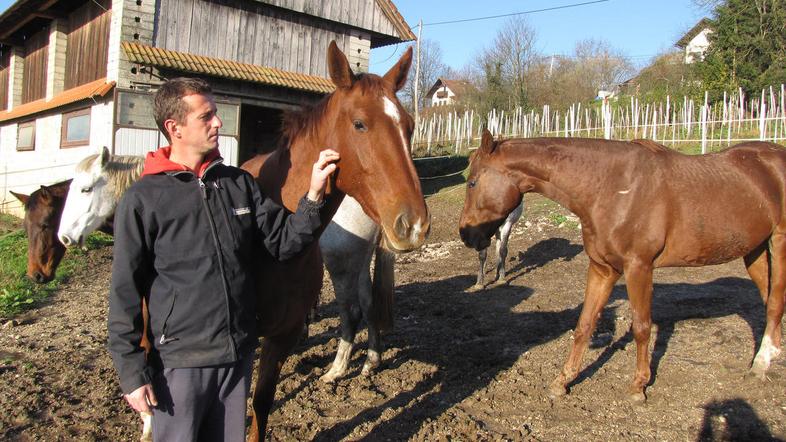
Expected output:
(164, 339)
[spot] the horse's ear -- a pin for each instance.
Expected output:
(20, 196)
(487, 144)
(397, 75)
(340, 72)
(45, 194)
(104, 156)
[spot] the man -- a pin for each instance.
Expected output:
(188, 234)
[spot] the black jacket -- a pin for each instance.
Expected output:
(191, 244)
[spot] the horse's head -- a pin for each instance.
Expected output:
(90, 201)
(491, 195)
(42, 217)
(372, 132)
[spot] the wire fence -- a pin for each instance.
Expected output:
(676, 123)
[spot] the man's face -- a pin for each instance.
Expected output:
(200, 131)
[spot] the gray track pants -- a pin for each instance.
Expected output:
(202, 404)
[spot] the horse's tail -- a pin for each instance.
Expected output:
(382, 287)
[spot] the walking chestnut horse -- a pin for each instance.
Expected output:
(42, 218)
(643, 206)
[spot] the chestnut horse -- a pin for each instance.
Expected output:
(42, 218)
(643, 206)
(364, 121)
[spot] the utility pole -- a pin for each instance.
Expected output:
(417, 78)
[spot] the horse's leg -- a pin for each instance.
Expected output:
(147, 418)
(273, 355)
(638, 278)
(502, 249)
(771, 341)
(482, 260)
(345, 287)
(376, 301)
(600, 281)
(366, 300)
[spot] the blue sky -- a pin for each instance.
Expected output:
(638, 28)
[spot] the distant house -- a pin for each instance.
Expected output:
(696, 41)
(76, 75)
(445, 92)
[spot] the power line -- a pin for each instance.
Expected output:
(513, 13)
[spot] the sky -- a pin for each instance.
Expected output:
(640, 29)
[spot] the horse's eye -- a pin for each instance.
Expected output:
(359, 125)
(87, 189)
(471, 184)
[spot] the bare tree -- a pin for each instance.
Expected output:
(431, 68)
(514, 49)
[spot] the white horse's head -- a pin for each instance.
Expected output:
(91, 200)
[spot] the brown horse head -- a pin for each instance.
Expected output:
(364, 121)
(491, 195)
(42, 219)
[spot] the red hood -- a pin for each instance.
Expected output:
(158, 162)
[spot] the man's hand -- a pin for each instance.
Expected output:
(320, 173)
(142, 398)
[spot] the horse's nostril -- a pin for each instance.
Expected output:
(65, 240)
(38, 276)
(402, 226)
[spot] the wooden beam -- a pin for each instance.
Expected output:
(50, 14)
(11, 41)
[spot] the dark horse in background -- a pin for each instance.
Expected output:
(643, 206)
(43, 208)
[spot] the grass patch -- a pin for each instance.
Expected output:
(17, 292)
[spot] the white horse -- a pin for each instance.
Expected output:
(99, 181)
(502, 235)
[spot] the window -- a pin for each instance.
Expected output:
(25, 136)
(76, 128)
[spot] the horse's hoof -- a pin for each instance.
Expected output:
(330, 377)
(759, 369)
(475, 288)
(369, 369)
(557, 389)
(638, 397)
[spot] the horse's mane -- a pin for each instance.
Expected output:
(651, 145)
(305, 121)
(120, 172)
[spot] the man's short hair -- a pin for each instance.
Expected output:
(168, 103)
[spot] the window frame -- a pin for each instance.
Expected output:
(21, 126)
(64, 128)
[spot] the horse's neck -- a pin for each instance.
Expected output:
(294, 165)
(558, 173)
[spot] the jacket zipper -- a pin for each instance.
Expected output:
(214, 232)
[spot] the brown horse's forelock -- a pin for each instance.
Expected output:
(120, 172)
(304, 122)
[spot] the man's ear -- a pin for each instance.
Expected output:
(172, 128)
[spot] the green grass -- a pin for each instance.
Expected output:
(17, 293)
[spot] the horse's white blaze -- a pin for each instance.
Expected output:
(623, 192)
(767, 352)
(392, 111)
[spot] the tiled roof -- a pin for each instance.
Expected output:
(95, 89)
(197, 64)
(703, 24)
(398, 21)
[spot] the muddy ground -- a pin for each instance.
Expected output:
(460, 365)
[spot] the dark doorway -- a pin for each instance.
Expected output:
(259, 130)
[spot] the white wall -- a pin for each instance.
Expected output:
(48, 163)
(435, 101)
(694, 51)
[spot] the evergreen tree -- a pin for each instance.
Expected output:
(747, 46)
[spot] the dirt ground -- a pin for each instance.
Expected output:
(459, 365)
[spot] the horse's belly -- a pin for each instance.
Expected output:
(710, 247)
